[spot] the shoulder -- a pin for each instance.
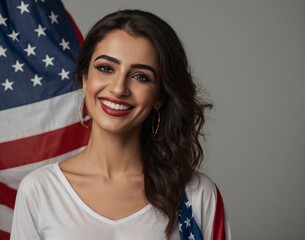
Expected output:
(201, 186)
(201, 192)
(37, 179)
(208, 207)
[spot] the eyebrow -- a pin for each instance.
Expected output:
(144, 66)
(111, 59)
(134, 66)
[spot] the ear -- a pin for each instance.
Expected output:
(84, 79)
(158, 104)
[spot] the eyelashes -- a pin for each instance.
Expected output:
(138, 75)
(142, 77)
(104, 68)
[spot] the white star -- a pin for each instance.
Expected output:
(2, 20)
(191, 237)
(36, 80)
(23, 8)
(53, 18)
(30, 50)
(64, 44)
(48, 61)
(14, 36)
(64, 74)
(2, 51)
(187, 222)
(188, 204)
(7, 85)
(40, 30)
(180, 227)
(40, 0)
(18, 66)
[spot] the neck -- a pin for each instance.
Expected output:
(113, 153)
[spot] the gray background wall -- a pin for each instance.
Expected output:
(250, 56)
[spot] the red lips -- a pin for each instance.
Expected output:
(115, 108)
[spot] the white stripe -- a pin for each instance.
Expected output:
(6, 218)
(13, 176)
(40, 117)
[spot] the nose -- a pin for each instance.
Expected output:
(119, 86)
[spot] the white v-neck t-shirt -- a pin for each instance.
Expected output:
(47, 207)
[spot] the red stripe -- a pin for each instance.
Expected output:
(8, 196)
(219, 229)
(43, 146)
(4, 235)
(76, 30)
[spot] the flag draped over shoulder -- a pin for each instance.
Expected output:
(39, 43)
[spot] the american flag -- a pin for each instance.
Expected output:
(188, 227)
(39, 43)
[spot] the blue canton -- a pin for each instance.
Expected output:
(188, 227)
(38, 50)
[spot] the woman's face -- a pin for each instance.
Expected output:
(121, 86)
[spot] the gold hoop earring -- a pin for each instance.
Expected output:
(83, 119)
(153, 130)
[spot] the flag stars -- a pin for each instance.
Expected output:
(40, 31)
(188, 204)
(3, 20)
(18, 66)
(188, 222)
(2, 51)
(53, 18)
(14, 36)
(188, 227)
(8, 85)
(64, 74)
(36, 80)
(30, 50)
(48, 60)
(64, 44)
(191, 237)
(23, 7)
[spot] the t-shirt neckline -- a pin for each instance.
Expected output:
(89, 210)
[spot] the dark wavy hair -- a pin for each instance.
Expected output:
(170, 157)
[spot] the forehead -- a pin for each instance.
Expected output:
(126, 48)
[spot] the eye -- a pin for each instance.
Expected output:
(142, 77)
(104, 68)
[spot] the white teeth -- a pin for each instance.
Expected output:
(115, 106)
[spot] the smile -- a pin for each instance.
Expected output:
(116, 106)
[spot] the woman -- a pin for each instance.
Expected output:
(136, 179)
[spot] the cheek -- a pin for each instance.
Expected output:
(92, 83)
(93, 86)
(148, 97)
